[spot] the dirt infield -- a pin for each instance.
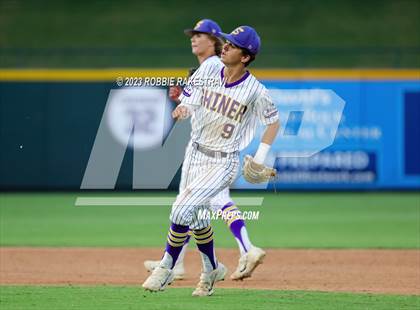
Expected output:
(376, 271)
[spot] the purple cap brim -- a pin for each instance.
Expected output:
(231, 38)
(191, 32)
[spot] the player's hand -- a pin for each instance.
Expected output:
(256, 173)
(174, 93)
(181, 112)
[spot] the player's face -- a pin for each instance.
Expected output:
(201, 43)
(232, 54)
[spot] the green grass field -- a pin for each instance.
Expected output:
(287, 220)
(111, 297)
(321, 220)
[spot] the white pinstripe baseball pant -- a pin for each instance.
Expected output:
(203, 178)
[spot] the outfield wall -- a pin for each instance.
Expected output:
(49, 120)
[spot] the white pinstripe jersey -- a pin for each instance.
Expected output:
(224, 115)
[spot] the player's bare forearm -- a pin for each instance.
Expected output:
(270, 133)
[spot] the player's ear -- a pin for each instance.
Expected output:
(210, 40)
(245, 58)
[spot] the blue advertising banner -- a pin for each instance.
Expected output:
(375, 146)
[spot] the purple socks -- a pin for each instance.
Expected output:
(177, 236)
(233, 219)
(205, 244)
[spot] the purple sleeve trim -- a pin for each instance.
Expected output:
(271, 115)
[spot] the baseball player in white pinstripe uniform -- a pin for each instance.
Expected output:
(222, 103)
(207, 46)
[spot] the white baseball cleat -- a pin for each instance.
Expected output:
(247, 263)
(158, 280)
(207, 281)
(179, 271)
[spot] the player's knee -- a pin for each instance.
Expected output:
(180, 215)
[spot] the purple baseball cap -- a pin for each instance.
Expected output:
(244, 37)
(205, 26)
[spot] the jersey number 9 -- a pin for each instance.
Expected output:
(228, 131)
